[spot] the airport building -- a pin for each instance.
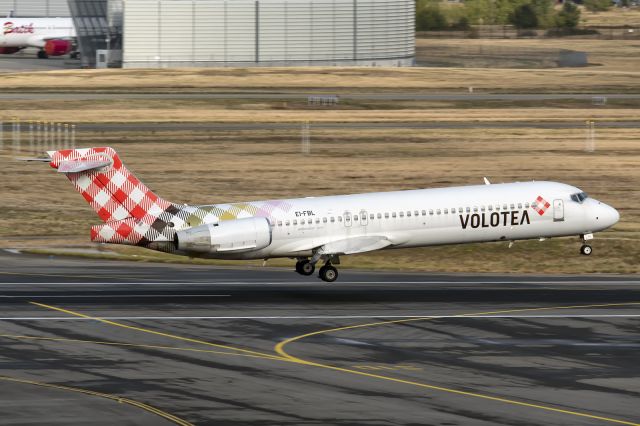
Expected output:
(218, 33)
(35, 8)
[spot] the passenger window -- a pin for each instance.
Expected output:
(301, 221)
(279, 223)
(355, 217)
(372, 216)
(438, 211)
(519, 205)
(460, 209)
(333, 219)
(393, 214)
(446, 211)
(475, 208)
(386, 215)
(513, 206)
(504, 207)
(430, 212)
(317, 220)
(324, 220)
(497, 207)
(401, 214)
(416, 213)
(379, 215)
(424, 212)
(468, 209)
(295, 221)
(526, 205)
(339, 218)
(287, 223)
(490, 208)
(481, 208)
(534, 204)
(408, 214)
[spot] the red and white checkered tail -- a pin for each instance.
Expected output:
(108, 186)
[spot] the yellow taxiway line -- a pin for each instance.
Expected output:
(141, 405)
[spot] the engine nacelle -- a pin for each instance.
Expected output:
(57, 47)
(8, 50)
(239, 235)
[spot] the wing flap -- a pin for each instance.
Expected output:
(356, 245)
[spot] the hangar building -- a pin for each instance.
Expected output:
(35, 8)
(218, 33)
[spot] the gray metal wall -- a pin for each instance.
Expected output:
(172, 33)
(35, 8)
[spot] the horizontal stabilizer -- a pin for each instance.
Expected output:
(77, 166)
(39, 159)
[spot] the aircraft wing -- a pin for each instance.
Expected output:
(355, 245)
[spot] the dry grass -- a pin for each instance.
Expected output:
(230, 166)
(614, 17)
(219, 166)
(328, 79)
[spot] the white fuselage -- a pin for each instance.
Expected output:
(430, 217)
(34, 32)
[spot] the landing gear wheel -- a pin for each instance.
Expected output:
(328, 273)
(42, 54)
(586, 250)
(304, 267)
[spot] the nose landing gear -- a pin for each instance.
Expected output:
(586, 248)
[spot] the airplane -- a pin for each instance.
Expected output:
(321, 229)
(52, 36)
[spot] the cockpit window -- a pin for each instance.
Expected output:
(579, 197)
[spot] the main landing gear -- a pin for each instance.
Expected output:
(304, 267)
(586, 249)
(327, 272)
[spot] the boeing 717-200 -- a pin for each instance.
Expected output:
(321, 229)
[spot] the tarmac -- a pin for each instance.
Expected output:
(115, 342)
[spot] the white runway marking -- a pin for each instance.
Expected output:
(313, 282)
(381, 317)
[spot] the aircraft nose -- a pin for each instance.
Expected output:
(608, 215)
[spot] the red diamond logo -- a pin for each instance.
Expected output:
(540, 205)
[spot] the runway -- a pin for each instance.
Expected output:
(113, 342)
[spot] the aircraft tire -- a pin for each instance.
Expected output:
(42, 54)
(304, 267)
(586, 250)
(328, 273)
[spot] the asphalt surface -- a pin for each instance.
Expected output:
(28, 61)
(201, 344)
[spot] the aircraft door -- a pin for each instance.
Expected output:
(363, 218)
(558, 210)
(347, 219)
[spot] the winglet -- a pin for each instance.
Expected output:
(486, 181)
